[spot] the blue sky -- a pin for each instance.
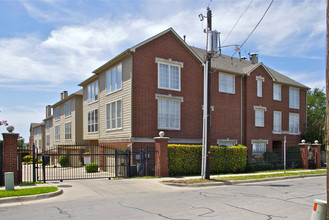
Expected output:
(47, 46)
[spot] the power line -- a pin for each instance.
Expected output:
(255, 26)
(237, 21)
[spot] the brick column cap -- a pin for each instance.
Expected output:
(10, 134)
(161, 138)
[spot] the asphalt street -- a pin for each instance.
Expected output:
(149, 199)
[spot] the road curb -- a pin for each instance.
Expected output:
(31, 197)
(236, 182)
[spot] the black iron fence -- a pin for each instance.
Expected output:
(67, 162)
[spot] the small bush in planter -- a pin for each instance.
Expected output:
(27, 158)
(91, 168)
(63, 161)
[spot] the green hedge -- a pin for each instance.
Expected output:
(186, 159)
(91, 168)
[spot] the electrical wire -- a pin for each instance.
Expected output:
(255, 26)
(238, 21)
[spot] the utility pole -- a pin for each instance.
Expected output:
(212, 41)
(327, 101)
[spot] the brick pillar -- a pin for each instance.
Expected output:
(161, 156)
(317, 151)
(304, 155)
(10, 157)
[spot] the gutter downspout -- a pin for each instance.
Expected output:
(241, 109)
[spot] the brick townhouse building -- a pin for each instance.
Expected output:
(157, 85)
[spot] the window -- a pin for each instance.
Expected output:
(260, 81)
(293, 98)
(114, 79)
(226, 83)
(168, 76)
(114, 115)
(93, 92)
(169, 113)
(277, 122)
(57, 132)
(226, 142)
(48, 124)
(277, 92)
(68, 106)
(40, 146)
(68, 131)
(57, 113)
(35, 131)
(48, 140)
(258, 146)
(93, 121)
(293, 123)
(259, 116)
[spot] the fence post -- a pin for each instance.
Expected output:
(33, 162)
(1, 163)
(44, 168)
(128, 162)
(115, 163)
(147, 156)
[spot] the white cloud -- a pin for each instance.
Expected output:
(77, 49)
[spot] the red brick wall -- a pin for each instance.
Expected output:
(145, 86)
(251, 100)
(10, 154)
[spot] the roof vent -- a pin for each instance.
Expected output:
(243, 58)
(254, 58)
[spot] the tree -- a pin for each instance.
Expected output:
(316, 117)
(3, 122)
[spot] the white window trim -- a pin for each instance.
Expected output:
(59, 133)
(290, 103)
(68, 133)
(277, 132)
(298, 133)
(108, 91)
(169, 62)
(230, 75)
(93, 99)
(279, 85)
(234, 141)
(254, 141)
(117, 128)
(260, 88)
(67, 116)
(55, 113)
(160, 96)
(263, 109)
(91, 132)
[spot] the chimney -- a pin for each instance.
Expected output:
(48, 111)
(254, 58)
(64, 94)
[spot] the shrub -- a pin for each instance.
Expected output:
(186, 159)
(270, 157)
(63, 161)
(27, 158)
(91, 168)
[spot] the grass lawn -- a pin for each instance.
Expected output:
(245, 177)
(27, 191)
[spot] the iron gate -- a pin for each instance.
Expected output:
(68, 162)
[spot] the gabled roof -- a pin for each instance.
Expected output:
(78, 93)
(131, 50)
(236, 66)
